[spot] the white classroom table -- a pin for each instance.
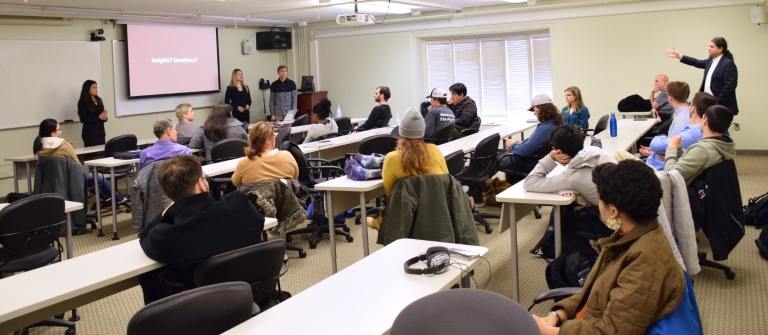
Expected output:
(340, 146)
(369, 294)
(517, 202)
(111, 163)
(27, 162)
(36, 295)
(340, 192)
(635, 114)
(305, 128)
(69, 207)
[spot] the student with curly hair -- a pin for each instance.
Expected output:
(323, 123)
(635, 281)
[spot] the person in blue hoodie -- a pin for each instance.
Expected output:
(575, 112)
(549, 118)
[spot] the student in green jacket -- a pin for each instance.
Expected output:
(713, 148)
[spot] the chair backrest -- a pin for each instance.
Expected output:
(326, 136)
(228, 149)
(484, 157)
(283, 136)
(443, 134)
(664, 128)
(455, 162)
(258, 265)
(471, 131)
(378, 144)
(601, 124)
(396, 131)
(183, 140)
(206, 310)
(304, 169)
(301, 121)
(32, 223)
(382, 123)
(344, 124)
(120, 144)
(544, 150)
(463, 311)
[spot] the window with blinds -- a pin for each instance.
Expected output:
(502, 74)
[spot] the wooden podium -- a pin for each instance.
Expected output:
(306, 101)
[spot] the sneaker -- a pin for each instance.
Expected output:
(374, 223)
(122, 201)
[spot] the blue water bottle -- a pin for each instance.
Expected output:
(614, 127)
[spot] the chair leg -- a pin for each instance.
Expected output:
(482, 221)
(302, 253)
(703, 261)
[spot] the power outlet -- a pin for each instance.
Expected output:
(736, 127)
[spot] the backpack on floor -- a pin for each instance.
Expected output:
(762, 243)
(756, 211)
(570, 269)
(572, 224)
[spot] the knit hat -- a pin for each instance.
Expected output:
(412, 125)
(540, 99)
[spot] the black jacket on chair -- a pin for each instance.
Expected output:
(715, 200)
(724, 80)
(198, 227)
(67, 178)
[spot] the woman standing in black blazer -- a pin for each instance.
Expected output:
(92, 115)
(239, 97)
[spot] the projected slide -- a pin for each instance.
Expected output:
(166, 60)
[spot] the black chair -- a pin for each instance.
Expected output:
(301, 121)
(308, 174)
(377, 144)
(443, 134)
(29, 229)
(206, 310)
(482, 166)
(225, 150)
(513, 175)
(602, 123)
(658, 129)
(464, 311)
(396, 131)
(455, 162)
(382, 123)
(183, 140)
(344, 124)
(283, 136)
(470, 131)
(115, 146)
(326, 136)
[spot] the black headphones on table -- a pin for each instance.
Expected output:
(437, 258)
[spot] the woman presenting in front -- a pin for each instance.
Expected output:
(575, 112)
(636, 280)
(239, 97)
(92, 115)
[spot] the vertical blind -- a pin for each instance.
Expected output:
(501, 74)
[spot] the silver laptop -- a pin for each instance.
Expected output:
(291, 113)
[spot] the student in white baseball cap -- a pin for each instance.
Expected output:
(439, 114)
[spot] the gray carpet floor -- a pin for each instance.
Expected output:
(726, 306)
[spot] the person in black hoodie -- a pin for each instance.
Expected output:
(380, 112)
(464, 110)
(195, 226)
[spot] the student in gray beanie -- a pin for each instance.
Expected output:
(413, 157)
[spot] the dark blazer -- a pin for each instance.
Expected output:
(724, 80)
(93, 127)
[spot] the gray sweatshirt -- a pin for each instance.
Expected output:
(577, 175)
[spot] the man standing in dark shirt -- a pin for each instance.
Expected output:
(380, 112)
(195, 226)
(282, 95)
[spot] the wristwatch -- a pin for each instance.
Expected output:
(559, 320)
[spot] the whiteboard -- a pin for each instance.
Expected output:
(127, 107)
(43, 79)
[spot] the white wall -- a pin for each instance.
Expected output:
(608, 57)
(18, 142)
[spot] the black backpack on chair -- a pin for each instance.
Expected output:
(570, 269)
(756, 211)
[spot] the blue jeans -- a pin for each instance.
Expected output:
(105, 189)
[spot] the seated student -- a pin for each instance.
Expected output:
(713, 148)
(636, 280)
(186, 115)
(195, 226)
(412, 157)
(323, 123)
(549, 119)
(464, 110)
(166, 146)
(49, 143)
(219, 126)
(575, 112)
(380, 112)
(690, 134)
(262, 160)
(439, 114)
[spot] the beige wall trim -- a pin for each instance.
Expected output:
(751, 152)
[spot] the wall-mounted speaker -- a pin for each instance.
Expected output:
(758, 14)
(247, 47)
(267, 40)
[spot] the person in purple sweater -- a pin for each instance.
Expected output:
(166, 146)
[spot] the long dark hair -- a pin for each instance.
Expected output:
(215, 128)
(85, 97)
(47, 127)
(721, 43)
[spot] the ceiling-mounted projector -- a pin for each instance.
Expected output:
(355, 19)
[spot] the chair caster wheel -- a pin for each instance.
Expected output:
(128, 210)
(488, 230)
(357, 221)
(302, 254)
(350, 239)
(312, 245)
(537, 215)
(345, 229)
(288, 238)
(730, 275)
(69, 332)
